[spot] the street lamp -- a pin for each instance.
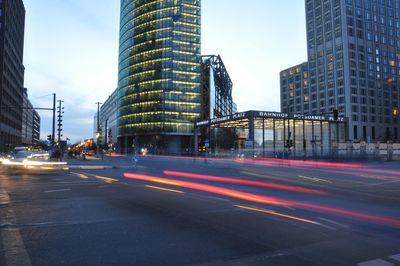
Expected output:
(98, 133)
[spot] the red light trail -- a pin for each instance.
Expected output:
(246, 182)
(267, 200)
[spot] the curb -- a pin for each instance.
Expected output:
(101, 167)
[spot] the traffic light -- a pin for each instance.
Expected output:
(335, 114)
(49, 138)
(289, 143)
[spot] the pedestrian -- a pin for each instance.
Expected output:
(135, 160)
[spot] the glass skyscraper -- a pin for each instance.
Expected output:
(354, 65)
(159, 83)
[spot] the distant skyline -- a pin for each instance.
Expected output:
(71, 48)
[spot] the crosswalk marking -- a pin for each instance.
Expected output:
(13, 244)
(376, 262)
(395, 257)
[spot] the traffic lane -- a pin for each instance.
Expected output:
(374, 245)
(355, 211)
(280, 232)
(342, 178)
(270, 163)
(337, 197)
(201, 223)
(354, 215)
(352, 200)
(342, 184)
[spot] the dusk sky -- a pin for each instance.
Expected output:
(71, 48)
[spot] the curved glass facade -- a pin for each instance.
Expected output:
(159, 67)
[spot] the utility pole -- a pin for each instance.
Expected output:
(54, 120)
(59, 120)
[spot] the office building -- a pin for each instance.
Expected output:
(108, 121)
(36, 128)
(354, 64)
(294, 90)
(159, 85)
(30, 133)
(27, 120)
(12, 25)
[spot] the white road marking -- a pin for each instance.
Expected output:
(334, 222)
(395, 257)
(13, 244)
(382, 183)
(4, 198)
(377, 262)
(315, 179)
(57, 190)
(92, 167)
(80, 175)
(329, 227)
(217, 198)
(288, 207)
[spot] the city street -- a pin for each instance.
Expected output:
(180, 211)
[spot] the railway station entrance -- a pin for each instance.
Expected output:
(271, 134)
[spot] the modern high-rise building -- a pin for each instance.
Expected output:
(159, 85)
(108, 121)
(27, 120)
(354, 65)
(216, 88)
(294, 90)
(36, 128)
(12, 27)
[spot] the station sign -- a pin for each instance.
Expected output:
(266, 114)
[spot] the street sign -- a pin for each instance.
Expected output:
(248, 144)
(207, 143)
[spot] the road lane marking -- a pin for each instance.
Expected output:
(382, 183)
(165, 189)
(13, 245)
(395, 257)
(57, 190)
(106, 179)
(80, 175)
(377, 262)
(278, 214)
(328, 227)
(259, 175)
(218, 198)
(4, 198)
(315, 179)
(288, 207)
(333, 222)
(92, 168)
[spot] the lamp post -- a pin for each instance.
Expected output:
(98, 128)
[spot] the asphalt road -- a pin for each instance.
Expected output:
(178, 211)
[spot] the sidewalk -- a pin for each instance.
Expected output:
(94, 163)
